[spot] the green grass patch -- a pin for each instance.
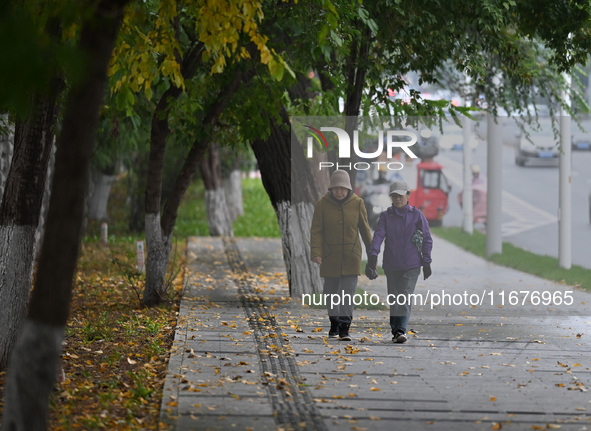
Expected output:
(517, 258)
(192, 219)
(259, 217)
(317, 302)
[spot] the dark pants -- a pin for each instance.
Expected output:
(341, 308)
(401, 284)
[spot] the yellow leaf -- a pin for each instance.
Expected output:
(493, 399)
(375, 389)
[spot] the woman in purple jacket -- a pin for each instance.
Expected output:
(408, 247)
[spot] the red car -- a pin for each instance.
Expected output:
(432, 192)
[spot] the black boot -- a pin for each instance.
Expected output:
(344, 332)
(334, 328)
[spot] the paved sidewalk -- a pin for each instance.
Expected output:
(246, 357)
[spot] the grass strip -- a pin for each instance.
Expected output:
(517, 258)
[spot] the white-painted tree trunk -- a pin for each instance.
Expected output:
(33, 370)
(46, 196)
(233, 191)
(218, 217)
(17, 248)
(158, 251)
(6, 150)
(99, 196)
(294, 222)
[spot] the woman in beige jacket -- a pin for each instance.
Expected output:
(339, 218)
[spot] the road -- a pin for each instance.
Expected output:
(530, 201)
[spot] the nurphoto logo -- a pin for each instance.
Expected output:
(395, 140)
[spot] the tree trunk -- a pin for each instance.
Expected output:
(33, 363)
(218, 215)
(45, 202)
(321, 176)
(31, 376)
(17, 249)
(158, 253)
(159, 239)
(6, 149)
(294, 206)
(100, 188)
(19, 215)
(158, 242)
(356, 72)
(233, 193)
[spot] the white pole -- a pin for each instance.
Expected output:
(494, 239)
(141, 258)
(564, 190)
(467, 205)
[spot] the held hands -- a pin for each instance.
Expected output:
(426, 271)
(370, 268)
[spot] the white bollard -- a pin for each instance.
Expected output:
(104, 233)
(141, 263)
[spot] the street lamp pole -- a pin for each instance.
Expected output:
(564, 188)
(467, 204)
(494, 239)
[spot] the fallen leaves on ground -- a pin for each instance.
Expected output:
(115, 354)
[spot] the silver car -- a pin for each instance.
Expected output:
(541, 149)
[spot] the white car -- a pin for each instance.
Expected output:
(541, 149)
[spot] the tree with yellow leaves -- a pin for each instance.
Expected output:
(186, 59)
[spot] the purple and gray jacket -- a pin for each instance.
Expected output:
(397, 226)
